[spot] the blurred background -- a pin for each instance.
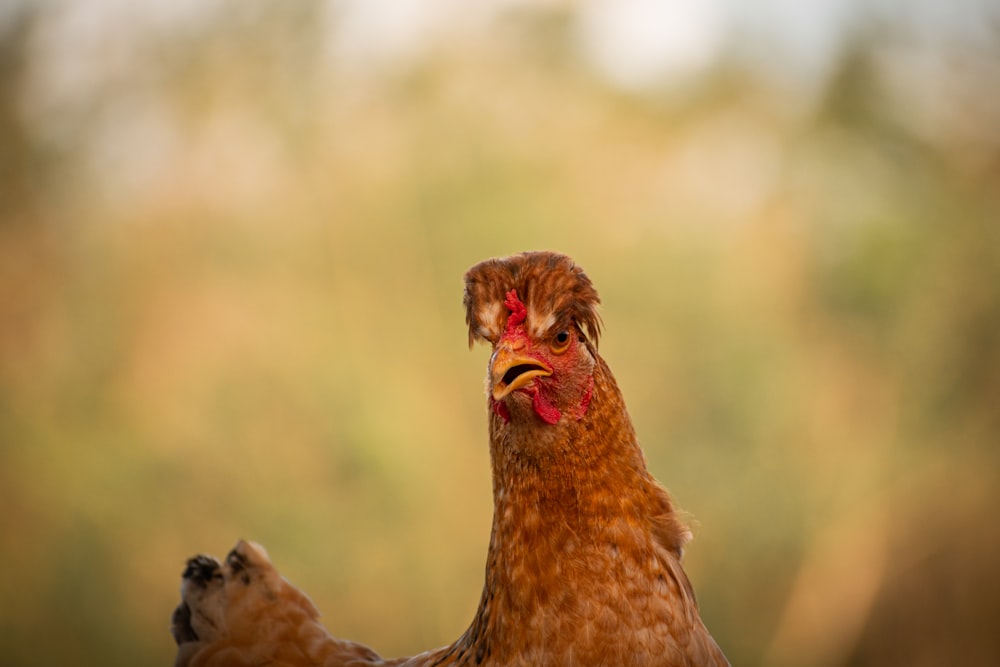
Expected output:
(232, 240)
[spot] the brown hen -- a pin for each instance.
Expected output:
(584, 564)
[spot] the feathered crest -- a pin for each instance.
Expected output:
(552, 287)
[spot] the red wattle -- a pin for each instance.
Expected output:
(549, 413)
(500, 408)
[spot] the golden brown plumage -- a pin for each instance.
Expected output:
(584, 558)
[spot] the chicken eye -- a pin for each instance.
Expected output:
(560, 342)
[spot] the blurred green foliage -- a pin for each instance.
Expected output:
(230, 288)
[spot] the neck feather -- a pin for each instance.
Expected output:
(573, 498)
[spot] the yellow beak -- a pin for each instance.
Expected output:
(510, 371)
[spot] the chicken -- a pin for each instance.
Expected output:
(242, 613)
(584, 562)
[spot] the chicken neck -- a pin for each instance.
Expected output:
(573, 531)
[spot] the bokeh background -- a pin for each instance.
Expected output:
(232, 240)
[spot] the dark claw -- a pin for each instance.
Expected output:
(180, 625)
(201, 569)
(236, 561)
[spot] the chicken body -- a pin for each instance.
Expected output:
(584, 559)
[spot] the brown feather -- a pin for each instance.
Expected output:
(544, 281)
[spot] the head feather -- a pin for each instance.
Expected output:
(551, 286)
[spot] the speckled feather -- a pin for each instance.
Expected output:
(584, 563)
(550, 284)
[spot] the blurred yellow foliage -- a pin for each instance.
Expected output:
(230, 306)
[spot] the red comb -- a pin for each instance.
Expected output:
(518, 311)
